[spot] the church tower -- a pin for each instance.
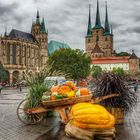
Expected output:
(41, 35)
(100, 34)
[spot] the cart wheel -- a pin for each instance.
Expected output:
(25, 117)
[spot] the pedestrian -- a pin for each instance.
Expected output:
(136, 86)
(0, 89)
(20, 89)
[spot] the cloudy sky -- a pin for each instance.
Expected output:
(66, 20)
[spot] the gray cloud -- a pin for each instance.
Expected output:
(67, 20)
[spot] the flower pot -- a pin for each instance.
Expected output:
(118, 113)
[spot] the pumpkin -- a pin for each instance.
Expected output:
(53, 97)
(54, 89)
(88, 116)
(71, 84)
(64, 89)
(71, 94)
(84, 91)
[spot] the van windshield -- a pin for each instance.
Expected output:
(50, 83)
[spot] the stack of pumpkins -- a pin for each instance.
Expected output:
(88, 120)
(67, 90)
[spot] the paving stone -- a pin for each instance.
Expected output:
(51, 129)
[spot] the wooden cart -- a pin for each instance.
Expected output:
(62, 106)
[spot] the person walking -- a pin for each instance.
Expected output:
(136, 86)
(0, 89)
(20, 89)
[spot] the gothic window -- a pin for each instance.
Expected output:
(20, 58)
(28, 51)
(14, 54)
(97, 31)
(88, 40)
(25, 55)
(4, 48)
(8, 54)
(106, 39)
(97, 38)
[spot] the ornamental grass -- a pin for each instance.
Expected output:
(110, 83)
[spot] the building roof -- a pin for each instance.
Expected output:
(97, 49)
(110, 60)
(55, 45)
(107, 28)
(133, 56)
(21, 35)
(89, 30)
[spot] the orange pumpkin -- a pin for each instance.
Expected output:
(71, 84)
(54, 89)
(84, 91)
(64, 89)
(53, 97)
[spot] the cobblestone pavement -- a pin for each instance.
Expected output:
(51, 129)
(10, 127)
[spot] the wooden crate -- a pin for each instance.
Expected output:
(118, 113)
(66, 101)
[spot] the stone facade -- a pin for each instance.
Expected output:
(105, 43)
(21, 52)
(99, 45)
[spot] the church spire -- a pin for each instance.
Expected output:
(98, 21)
(5, 33)
(37, 18)
(43, 28)
(89, 32)
(107, 28)
(111, 30)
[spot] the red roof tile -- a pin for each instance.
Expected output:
(110, 60)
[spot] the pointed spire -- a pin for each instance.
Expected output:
(133, 55)
(43, 28)
(37, 17)
(98, 21)
(89, 32)
(107, 28)
(111, 30)
(5, 33)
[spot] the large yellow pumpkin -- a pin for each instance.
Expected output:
(87, 115)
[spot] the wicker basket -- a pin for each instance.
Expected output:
(66, 101)
(118, 113)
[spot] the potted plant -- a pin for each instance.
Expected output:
(110, 83)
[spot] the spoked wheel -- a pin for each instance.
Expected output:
(28, 118)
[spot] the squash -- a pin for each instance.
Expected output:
(88, 116)
(71, 84)
(54, 89)
(84, 91)
(64, 89)
(71, 94)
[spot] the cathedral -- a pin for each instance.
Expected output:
(99, 45)
(21, 51)
(99, 39)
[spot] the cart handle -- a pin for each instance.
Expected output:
(99, 99)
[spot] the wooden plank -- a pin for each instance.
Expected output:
(66, 101)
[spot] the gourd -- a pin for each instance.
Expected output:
(87, 116)
(54, 89)
(71, 84)
(46, 98)
(84, 91)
